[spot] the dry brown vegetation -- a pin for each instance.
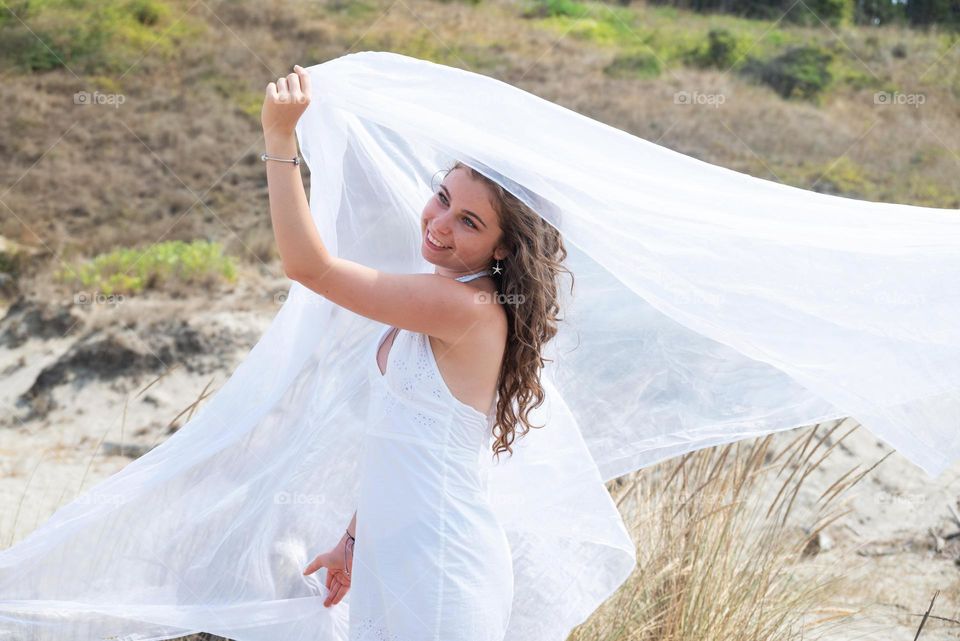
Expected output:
(178, 160)
(720, 553)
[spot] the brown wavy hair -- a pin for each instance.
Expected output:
(529, 283)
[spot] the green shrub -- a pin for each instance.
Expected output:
(552, 8)
(722, 50)
(854, 76)
(360, 9)
(943, 13)
(13, 262)
(90, 36)
(808, 12)
(774, 38)
(816, 12)
(235, 91)
(167, 264)
(638, 64)
(147, 12)
(878, 12)
(800, 72)
(841, 177)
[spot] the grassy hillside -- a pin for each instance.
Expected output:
(169, 150)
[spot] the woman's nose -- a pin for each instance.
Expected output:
(442, 224)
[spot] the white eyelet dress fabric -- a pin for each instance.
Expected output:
(431, 561)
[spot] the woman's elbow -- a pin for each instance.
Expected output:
(292, 272)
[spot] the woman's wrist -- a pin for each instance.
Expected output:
(346, 544)
(280, 144)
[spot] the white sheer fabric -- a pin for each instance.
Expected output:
(709, 307)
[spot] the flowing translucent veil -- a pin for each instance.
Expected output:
(709, 306)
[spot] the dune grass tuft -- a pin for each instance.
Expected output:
(720, 554)
(161, 266)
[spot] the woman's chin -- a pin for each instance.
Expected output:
(428, 255)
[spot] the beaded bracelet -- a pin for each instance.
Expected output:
(352, 540)
(295, 160)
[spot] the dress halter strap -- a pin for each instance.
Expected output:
(469, 277)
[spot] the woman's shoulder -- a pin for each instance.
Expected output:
(488, 297)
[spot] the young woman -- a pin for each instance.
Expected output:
(457, 368)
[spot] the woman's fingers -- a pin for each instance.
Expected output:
(298, 94)
(338, 594)
(284, 103)
(315, 565)
(305, 85)
(342, 592)
(293, 82)
(332, 593)
(292, 88)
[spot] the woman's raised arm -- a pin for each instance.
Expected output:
(423, 303)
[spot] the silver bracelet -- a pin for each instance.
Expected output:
(295, 160)
(351, 539)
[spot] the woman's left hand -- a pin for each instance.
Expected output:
(284, 103)
(339, 564)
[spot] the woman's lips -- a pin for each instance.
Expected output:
(431, 244)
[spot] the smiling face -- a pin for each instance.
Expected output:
(460, 218)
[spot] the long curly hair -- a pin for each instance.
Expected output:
(528, 287)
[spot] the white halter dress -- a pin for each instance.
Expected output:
(431, 561)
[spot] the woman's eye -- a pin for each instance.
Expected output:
(443, 199)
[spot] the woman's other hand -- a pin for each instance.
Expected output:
(339, 564)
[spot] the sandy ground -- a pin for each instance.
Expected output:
(73, 415)
(891, 546)
(73, 412)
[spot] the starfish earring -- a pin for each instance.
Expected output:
(496, 268)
